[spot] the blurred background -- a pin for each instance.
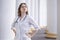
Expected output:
(43, 11)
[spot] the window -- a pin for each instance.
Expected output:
(38, 10)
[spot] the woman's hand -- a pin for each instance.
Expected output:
(28, 35)
(31, 33)
(14, 30)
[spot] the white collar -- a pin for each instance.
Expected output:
(22, 18)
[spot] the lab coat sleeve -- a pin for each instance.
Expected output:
(14, 22)
(13, 25)
(33, 23)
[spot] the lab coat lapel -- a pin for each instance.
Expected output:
(23, 18)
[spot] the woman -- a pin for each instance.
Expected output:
(22, 24)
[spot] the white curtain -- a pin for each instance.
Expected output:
(43, 12)
(38, 10)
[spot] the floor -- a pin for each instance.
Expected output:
(40, 35)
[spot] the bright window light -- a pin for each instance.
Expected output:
(43, 12)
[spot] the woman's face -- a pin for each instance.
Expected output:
(23, 8)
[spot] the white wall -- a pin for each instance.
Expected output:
(0, 17)
(52, 16)
(7, 15)
(58, 18)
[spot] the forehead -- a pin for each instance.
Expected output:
(23, 5)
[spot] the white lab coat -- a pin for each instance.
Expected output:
(22, 27)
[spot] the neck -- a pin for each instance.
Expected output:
(23, 14)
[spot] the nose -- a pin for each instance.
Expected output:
(23, 8)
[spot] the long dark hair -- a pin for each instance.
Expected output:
(19, 11)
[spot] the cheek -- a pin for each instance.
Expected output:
(26, 9)
(21, 9)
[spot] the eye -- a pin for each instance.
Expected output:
(23, 6)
